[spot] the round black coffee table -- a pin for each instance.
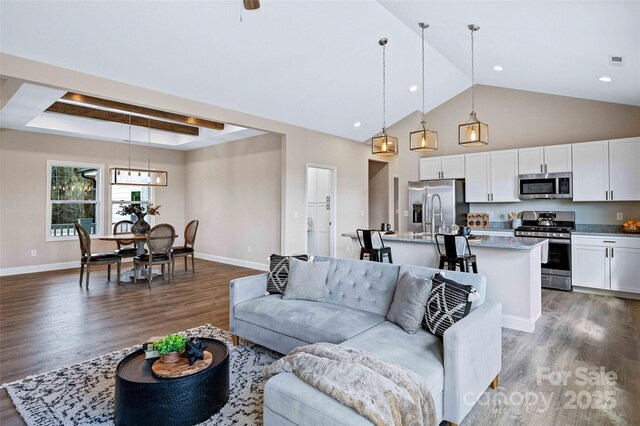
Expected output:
(144, 399)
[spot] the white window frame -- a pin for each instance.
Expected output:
(98, 202)
(152, 195)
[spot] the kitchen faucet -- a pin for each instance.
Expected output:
(434, 214)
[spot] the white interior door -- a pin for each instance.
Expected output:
(319, 211)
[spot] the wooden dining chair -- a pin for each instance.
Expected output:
(185, 251)
(160, 240)
(87, 259)
(126, 248)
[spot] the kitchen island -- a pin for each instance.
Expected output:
(512, 266)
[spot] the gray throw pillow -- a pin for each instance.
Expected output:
(307, 281)
(408, 306)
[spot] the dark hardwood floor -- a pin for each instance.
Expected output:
(62, 324)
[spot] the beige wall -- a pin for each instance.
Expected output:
(378, 193)
(299, 146)
(234, 189)
(23, 186)
(519, 119)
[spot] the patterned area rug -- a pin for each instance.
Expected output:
(84, 393)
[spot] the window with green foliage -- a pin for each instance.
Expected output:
(74, 197)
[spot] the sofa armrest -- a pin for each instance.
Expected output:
(472, 359)
(243, 289)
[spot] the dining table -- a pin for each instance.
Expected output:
(139, 241)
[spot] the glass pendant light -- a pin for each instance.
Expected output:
(384, 144)
(423, 139)
(473, 132)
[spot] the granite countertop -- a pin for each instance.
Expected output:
(490, 241)
(602, 230)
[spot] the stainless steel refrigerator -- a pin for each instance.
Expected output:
(454, 207)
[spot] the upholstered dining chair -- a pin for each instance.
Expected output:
(89, 259)
(185, 251)
(159, 242)
(126, 248)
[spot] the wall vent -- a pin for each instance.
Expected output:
(616, 61)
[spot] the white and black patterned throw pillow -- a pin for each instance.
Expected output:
(279, 272)
(447, 304)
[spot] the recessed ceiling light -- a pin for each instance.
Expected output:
(498, 68)
(413, 88)
(357, 124)
(605, 78)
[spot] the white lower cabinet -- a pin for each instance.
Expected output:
(606, 263)
(625, 269)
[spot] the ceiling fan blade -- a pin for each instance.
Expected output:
(251, 4)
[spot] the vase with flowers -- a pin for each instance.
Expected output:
(140, 227)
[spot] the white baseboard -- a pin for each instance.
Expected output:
(606, 292)
(518, 323)
(44, 267)
(235, 262)
(39, 268)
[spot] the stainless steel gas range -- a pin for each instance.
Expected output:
(557, 228)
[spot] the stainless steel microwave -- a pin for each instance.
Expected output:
(545, 185)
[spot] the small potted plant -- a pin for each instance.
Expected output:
(170, 348)
(141, 227)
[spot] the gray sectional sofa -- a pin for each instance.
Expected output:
(457, 369)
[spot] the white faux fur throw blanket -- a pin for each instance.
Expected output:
(384, 393)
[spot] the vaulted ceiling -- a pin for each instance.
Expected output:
(317, 64)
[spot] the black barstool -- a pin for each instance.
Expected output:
(451, 258)
(372, 245)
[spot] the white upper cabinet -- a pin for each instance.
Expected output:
(477, 172)
(430, 168)
(531, 160)
(557, 159)
(453, 167)
(449, 167)
(624, 169)
(504, 176)
(548, 159)
(591, 171)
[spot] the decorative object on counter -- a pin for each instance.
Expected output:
(170, 347)
(473, 132)
(631, 226)
(423, 139)
(516, 222)
(464, 230)
(139, 177)
(455, 229)
(193, 350)
(385, 227)
(478, 220)
(384, 144)
(140, 227)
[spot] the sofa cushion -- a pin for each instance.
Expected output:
(311, 322)
(364, 285)
(409, 301)
(279, 272)
(307, 281)
(421, 352)
(478, 281)
(448, 303)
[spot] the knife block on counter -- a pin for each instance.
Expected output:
(478, 220)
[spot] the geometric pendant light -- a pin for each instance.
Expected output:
(384, 144)
(473, 132)
(138, 177)
(423, 139)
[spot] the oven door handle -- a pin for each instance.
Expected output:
(554, 241)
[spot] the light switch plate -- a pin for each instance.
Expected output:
(406, 213)
(619, 216)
